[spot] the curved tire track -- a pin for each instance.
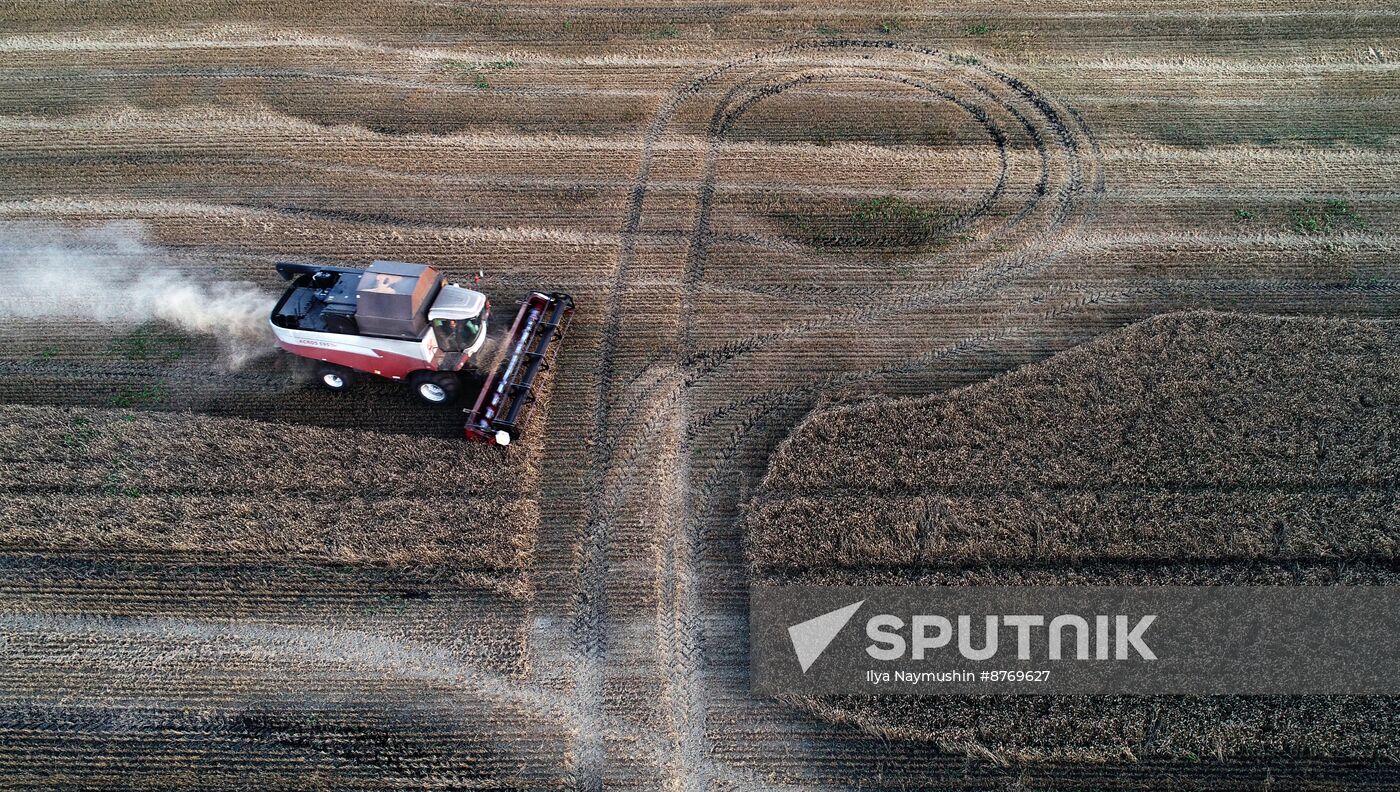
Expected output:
(622, 452)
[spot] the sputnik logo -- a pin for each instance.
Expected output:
(810, 638)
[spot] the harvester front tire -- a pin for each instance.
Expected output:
(436, 388)
(335, 378)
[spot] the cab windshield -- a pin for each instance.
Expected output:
(457, 335)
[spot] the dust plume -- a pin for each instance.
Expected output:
(115, 274)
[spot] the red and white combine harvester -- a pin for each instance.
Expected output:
(405, 322)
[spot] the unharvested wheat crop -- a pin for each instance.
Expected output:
(1188, 436)
(164, 485)
(1194, 448)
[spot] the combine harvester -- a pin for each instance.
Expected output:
(405, 322)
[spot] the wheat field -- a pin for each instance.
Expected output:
(760, 208)
(1188, 449)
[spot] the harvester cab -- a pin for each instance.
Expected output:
(405, 322)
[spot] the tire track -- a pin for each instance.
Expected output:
(680, 607)
(711, 359)
(590, 640)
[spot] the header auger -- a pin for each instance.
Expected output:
(510, 388)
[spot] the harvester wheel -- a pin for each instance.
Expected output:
(435, 387)
(333, 377)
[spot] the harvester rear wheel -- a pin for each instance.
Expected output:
(435, 387)
(333, 377)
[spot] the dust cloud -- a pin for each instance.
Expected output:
(115, 274)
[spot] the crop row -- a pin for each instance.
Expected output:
(1057, 527)
(1118, 728)
(122, 482)
(1193, 400)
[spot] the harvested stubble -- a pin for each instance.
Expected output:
(265, 605)
(144, 485)
(1192, 448)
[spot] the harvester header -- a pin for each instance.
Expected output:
(510, 388)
